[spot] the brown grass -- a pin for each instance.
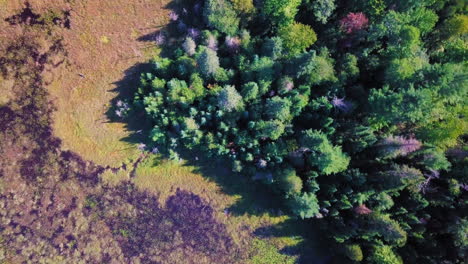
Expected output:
(101, 44)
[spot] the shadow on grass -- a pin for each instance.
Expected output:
(255, 198)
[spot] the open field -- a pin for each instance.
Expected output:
(101, 44)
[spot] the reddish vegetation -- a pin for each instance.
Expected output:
(362, 210)
(354, 22)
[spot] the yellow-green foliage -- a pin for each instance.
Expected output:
(354, 252)
(244, 7)
(297, 37)
(455, 26)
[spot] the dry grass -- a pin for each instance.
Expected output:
(101, 44)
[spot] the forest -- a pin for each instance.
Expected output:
(352, 112)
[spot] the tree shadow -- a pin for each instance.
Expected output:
(151, 231)
(137, 123)
(315, 247)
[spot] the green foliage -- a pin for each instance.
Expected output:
(326, 157)
(459, 231)
(229, 99)
(455, 26)
(289, 181)
(354, 252)
(390, 230)
(281, 12)
(322, 9)
(297, 37)
(249, 91)
(208, 62)
(221, 16)
(273, 47)
(278, 108)
(366, 133)
(350, 69)
(305, 205)
(407, 106)
(384, 255)
(272, 129)
(314, 69)
(243, 7)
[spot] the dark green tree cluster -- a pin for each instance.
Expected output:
(360, 123)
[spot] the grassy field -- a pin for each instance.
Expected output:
(102, 45)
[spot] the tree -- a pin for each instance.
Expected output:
(314, 69)
(220, 15)
(408, 106)
(322, 9)
(281, 12)
(189, 46)
(229, 99)
(389, 229)
(244, 8)
(353, 252)
(304, 206)
(394, 146)
(289, 182)
(297, 37)
(400, 177)
(272, 129)
(384, 255)
(455, 26)
(273, 47)
(208, 62)
(328, 158)
(278, 108)
(249, 91)
(459, 231)
(354, 22)
(349, 68)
